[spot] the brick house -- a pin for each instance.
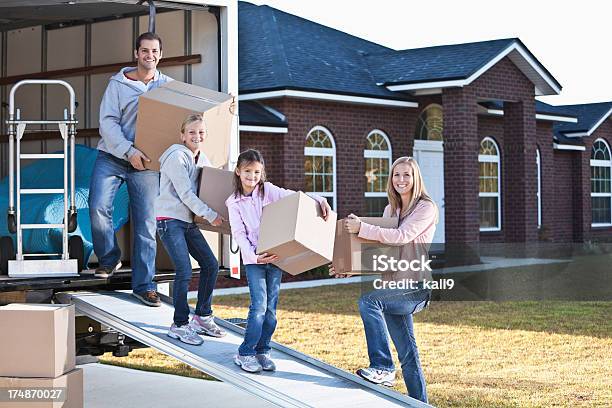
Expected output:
(330, 112)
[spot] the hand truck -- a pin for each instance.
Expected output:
(72, 247)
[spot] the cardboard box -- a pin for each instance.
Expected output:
(37, 340)
(67, 388)
(354, 255)
(162, 110)
(216, 186)
(164, 263)
(293, 229)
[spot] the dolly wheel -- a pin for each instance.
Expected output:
(72, 221)
(76, 251)
(7, 253)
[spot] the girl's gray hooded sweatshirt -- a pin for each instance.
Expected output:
(118, 112)
(178, 186)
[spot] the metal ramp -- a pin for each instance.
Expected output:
(300, 381)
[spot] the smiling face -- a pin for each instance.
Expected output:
(193, 135)
(250, 175)
(148, 55)
(403, 180)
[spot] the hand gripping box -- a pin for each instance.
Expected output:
(37, 340)
(65, 391)
(293, 229)
(162, 110)
(354, 255)
(216, 186)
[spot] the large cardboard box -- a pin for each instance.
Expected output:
(67, 390)
(37, 340)
(354, 255)
(216, 186)
(293, 229)
(164, 263)
(162, 110)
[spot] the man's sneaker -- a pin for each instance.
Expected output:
(247, 363)
(149, 298)
(106, 271)
(206, 325)
(266, 362)
(378, 376)
(185, 333)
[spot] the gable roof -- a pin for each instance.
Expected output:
(278, 50)
(590, 117)
(456, 65)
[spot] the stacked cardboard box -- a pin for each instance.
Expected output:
(37, 355)
(293, 229)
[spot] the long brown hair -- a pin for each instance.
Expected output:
(244, 159)
(419, 192)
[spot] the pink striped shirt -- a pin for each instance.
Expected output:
(415, 234)
(245, 217)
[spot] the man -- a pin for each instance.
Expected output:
(120, 162)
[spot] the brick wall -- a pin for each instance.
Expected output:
(349, 125)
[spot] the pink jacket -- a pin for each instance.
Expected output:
(245, 217)
(415, 234)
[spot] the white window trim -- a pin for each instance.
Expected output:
(379, 154)
(375, 194)
(321, 151)
(539, 192)
(602, 163)
(493, 159)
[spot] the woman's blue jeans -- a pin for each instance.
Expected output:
(180, 240)
(264, 285)
(387, 312)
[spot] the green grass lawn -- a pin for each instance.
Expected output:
(474, 354)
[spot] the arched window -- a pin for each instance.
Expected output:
(429, 124)
(320, 164)
(601, 191)
(377, 154)
(490, 186)
(539, 193)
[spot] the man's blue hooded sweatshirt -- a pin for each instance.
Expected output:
(118, 112)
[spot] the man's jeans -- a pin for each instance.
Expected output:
(143, 188)
(180, 240)
(387, 312)
(264, 285)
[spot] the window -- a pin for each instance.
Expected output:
(489, 196)
(601, 191)
(320, 164)
(429, 124)
(377, 156)
(539, 193)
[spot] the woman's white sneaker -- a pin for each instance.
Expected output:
(382, 377)
(186, 334)
(247, 363)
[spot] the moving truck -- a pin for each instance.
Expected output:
(85, 42)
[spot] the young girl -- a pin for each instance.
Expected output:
(175, 207)
(252, 193)
(390, 310)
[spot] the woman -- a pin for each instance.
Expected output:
(390, 310)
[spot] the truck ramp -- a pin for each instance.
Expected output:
(300, 381)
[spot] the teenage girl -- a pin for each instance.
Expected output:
(181, 165)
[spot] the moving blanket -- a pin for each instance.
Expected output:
(49, 208)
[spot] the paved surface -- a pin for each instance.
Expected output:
(117, 387)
